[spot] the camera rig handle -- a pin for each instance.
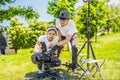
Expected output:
(51, 53)
(53, 50)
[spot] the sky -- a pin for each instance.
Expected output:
(39, 6)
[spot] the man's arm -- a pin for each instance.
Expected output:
(68, 38)
(59, 34)
(37, 48)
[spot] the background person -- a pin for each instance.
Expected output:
(3, 44)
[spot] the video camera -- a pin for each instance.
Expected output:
(41, 57)
(49, 58)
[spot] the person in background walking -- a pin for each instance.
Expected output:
(3, 44)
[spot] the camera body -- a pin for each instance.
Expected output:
(40, 57)
(49, 60)
(46, 59)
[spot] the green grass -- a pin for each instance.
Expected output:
(16, 67)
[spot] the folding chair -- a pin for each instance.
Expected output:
(88, 72)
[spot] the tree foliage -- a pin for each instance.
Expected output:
(98, 17)
(114, 18)
(3, 2)
(19, 35)
(28, 13)
(7, 14)
(25, 37)
(55, 6)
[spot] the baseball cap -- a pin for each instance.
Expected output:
(64, 14)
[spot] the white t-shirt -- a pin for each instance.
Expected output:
(44, 39)
(68, 29)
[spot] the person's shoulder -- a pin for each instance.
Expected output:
(42, 38)
(71, 23)
(57, 23)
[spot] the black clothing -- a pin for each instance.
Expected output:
(3, 43)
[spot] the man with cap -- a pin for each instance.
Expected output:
(67, 32)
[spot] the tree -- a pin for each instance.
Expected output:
(15, 22)
(98, 17)
(25, 37)
(55, 6)
(28, 13)
(114, 18)
(39, 26)
(3, 2)
(17, 32)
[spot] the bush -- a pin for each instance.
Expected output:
(25, 37)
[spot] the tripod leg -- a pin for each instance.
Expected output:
(99, 72)
(93, 55)
(81, 48)
(92, 51)
(81, 67)
(96, 64)
(68, 68)
(100, 67)
(83, 72)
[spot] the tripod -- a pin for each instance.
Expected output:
(89, 47)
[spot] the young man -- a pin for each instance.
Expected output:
(44, 44)
(67, 32)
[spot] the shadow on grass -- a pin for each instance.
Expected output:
(61, 72)
(31, 74)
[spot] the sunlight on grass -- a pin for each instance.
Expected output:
(15, 67)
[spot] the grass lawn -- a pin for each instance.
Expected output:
(16, 67)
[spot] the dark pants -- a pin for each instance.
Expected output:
(74, 47)
(2, 48)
